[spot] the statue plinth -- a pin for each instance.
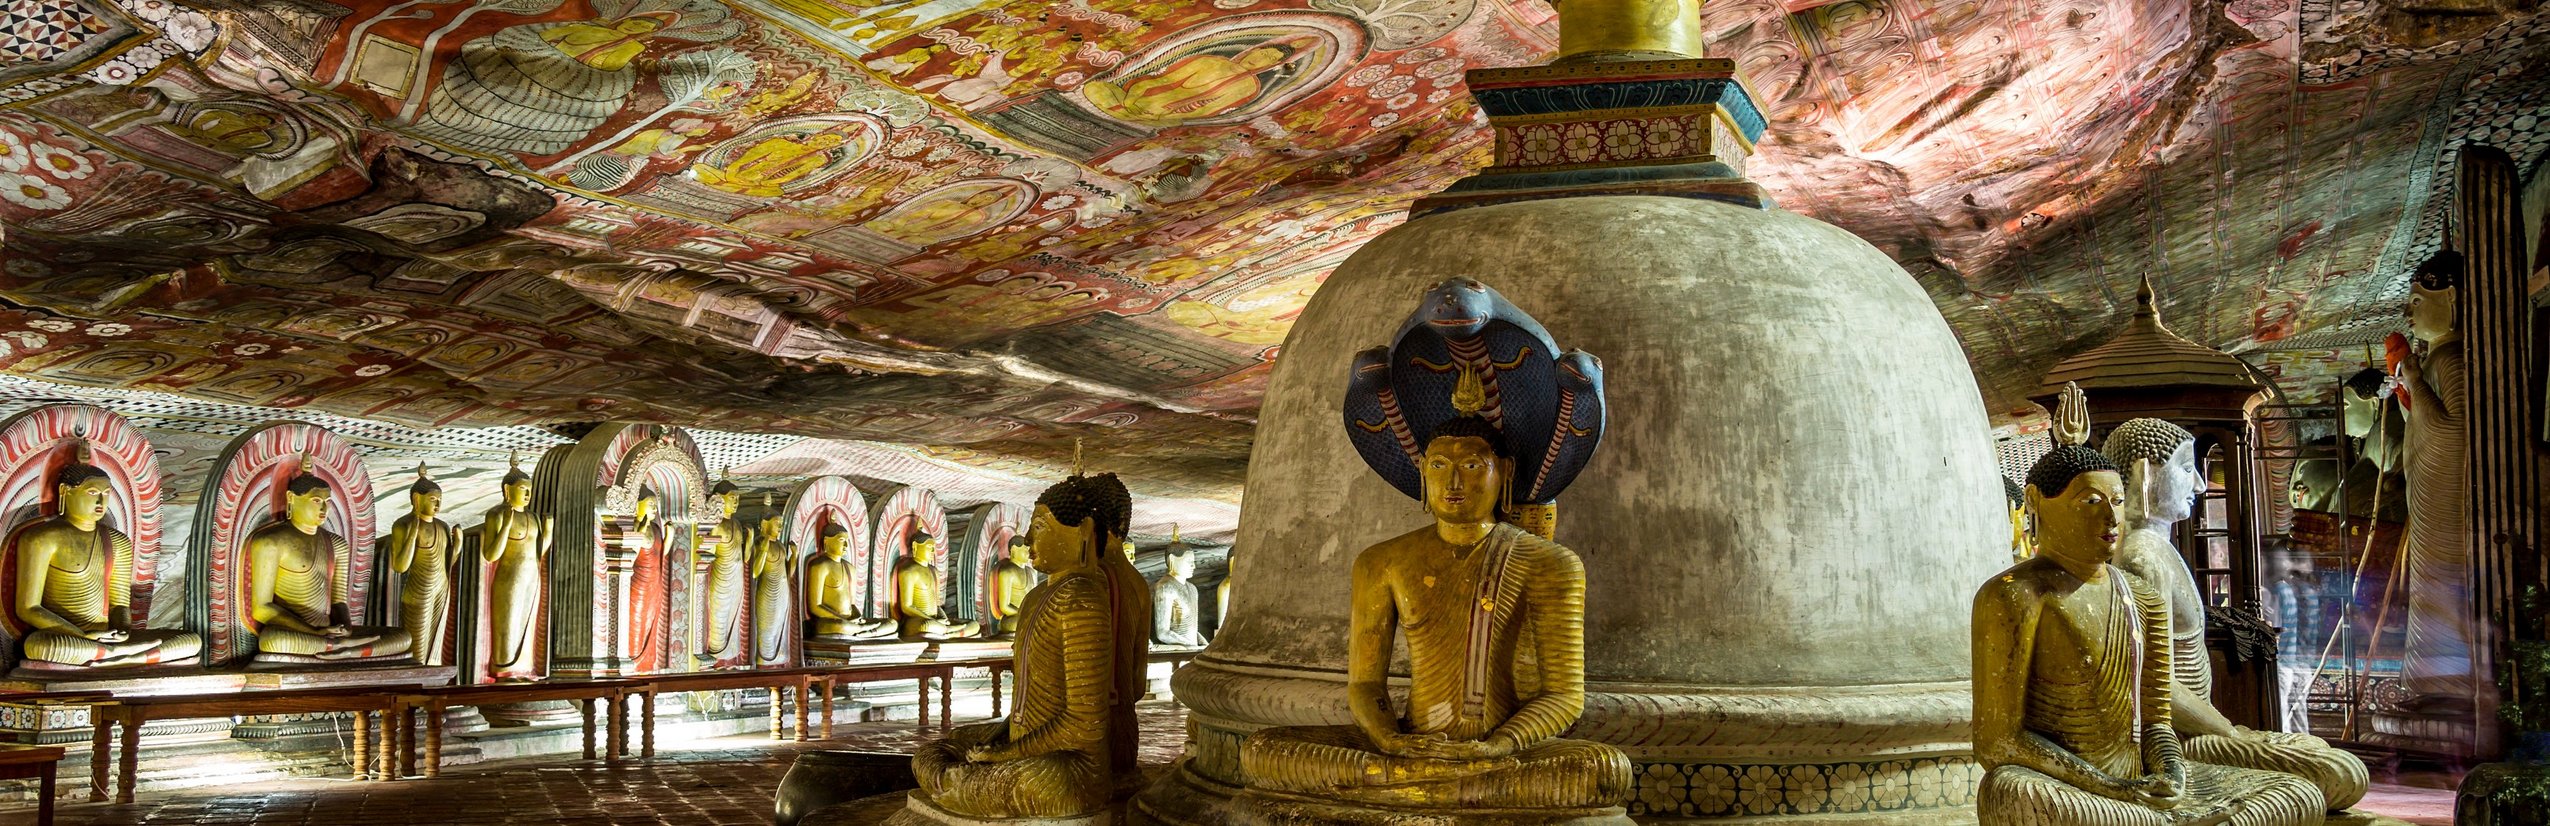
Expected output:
(1676, 128)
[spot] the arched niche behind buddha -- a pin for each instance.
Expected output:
(36, 446)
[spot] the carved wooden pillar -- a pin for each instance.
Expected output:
(2505, 486)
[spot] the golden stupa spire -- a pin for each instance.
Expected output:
(1604, 30)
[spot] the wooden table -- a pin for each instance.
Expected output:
(581, 692)
(366, 703)
(21, 762)
(775, 680)
(942, 670)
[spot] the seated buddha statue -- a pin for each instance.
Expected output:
(919, 599)
(832, 605)
(1480, 728)
(2073, 677)
(1066, 750)
(1011, 579)
(2161, 484)
(1175, 604)
(296, 594)
(75, 584)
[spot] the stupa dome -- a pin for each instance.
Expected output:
(1794, 502)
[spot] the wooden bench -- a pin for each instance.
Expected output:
(433, 701)
(944, 671)
(366, 703)
(776, 680)
(40, 762)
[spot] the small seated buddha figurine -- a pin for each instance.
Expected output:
(2073, 674)
(1011, 579)
(769, 564)
(919, 598)
(296, 594)
(721, 608)
(2161, 484)
(425, 551)
(75, 584)
(1067, 749)
(1175, 603)
(832, 608)
(1480, 727)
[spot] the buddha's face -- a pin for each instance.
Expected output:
(1181, 566)
(1463, 480)
(2174, 485)
(1022, 552)
(1130, 553)
(835, 545)
(645, 509)
(307, 511)
(770, 527)
(2430, 313)
(517, 495)
(2081, 524)
(925, 548)
(727, 503)
(425, 504)
(84, 503)
(2363, 413)
(1053, 546)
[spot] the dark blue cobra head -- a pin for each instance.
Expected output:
(1581, 371)
(1459, 307)
(1370, 373)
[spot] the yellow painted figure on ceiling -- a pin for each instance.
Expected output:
(768, 167)
(1199, 86)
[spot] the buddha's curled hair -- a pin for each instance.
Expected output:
(1102, 497)
(2050, 475)
(2144, 439)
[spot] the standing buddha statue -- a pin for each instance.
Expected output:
(425, 551)
(722, 595)
(1175, 603)
(75, 583)
(2021, 545)
(2073, 670)
(769, 564)
(919, 599)
(517, 544)
(1068, 748)
(832, 601)
(1469, 594)
(1011, 579)
(2161, 485)
(297, 588)
(650, 585)
(2438, 662)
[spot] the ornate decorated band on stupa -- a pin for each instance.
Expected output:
(1629, 109)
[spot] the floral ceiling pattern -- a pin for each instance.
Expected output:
(998, 226)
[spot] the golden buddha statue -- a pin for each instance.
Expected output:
(2161, 485)
(517, 544)
(425, 551)
(1494, 621)
(2073, 670)
(832, 602)
(918, 596)
(1067, 749)
(769, 564)
(1011, 579)
(1175, 604)
(721, 551)
(75, 584)
(297, 587)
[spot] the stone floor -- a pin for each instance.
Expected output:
(726, 781)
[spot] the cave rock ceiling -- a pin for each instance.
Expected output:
(1007, 225)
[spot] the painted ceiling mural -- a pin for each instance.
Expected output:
(996, 226)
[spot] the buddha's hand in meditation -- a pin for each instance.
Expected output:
(336, 632)
(1440, 748)
(109, 635)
